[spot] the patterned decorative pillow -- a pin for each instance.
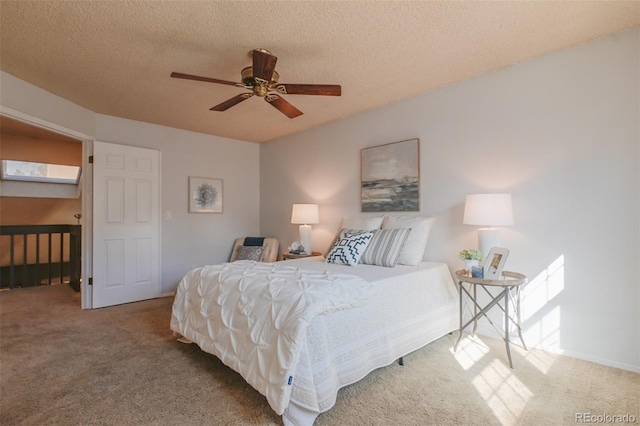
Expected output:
(384, 247)
(250, 253)
(349, 249)
(350, 232)
(342, 232)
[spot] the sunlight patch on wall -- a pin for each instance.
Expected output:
(469, 352)
(545, 331)
(503, 392)
(543, 288)
(541, 315)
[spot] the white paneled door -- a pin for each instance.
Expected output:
(126, 224)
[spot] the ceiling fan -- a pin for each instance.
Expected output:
(263, 81)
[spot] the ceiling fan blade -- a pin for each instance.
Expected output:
(283, 106)
(263, 65)
(310, 89)
(231, 102)
(198, 78)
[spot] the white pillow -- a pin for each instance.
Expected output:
(349, 249)
(414, 247)
(385, 246)
(362, 222)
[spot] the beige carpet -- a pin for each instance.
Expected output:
(61, 365)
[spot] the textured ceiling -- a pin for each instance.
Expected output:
(115, 57)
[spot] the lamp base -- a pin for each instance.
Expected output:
(305, 238)
(488, 238)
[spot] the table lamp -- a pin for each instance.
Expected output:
(488, 210)
(305, 215)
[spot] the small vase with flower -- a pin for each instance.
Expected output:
(471, 258)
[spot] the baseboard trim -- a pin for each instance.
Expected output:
(487, 331)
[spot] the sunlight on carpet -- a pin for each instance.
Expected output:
(469, 352)
(543, 361)
(504, 393)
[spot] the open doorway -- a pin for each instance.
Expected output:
(46, 258)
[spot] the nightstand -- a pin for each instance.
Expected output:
(509, 291)
(288, 256)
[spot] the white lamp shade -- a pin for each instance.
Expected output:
(488, 210)
(304, 214)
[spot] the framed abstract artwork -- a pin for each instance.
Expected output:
(390, 177)
(205, 195)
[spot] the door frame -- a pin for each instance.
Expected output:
(86, 191)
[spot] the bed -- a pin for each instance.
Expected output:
(387, 314)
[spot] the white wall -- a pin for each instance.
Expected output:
(188, 239)
(560, 133)
(26, 98)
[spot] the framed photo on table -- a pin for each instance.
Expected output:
(494, 263)
(205, 195)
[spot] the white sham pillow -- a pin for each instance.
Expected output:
(362, 222)
(416, 243)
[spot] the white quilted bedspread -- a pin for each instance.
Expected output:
(253, 316)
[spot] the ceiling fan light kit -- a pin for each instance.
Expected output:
(263, 81)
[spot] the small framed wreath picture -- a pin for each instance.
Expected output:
(494, 263)
(205, 195)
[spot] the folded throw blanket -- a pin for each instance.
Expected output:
(253, 241)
